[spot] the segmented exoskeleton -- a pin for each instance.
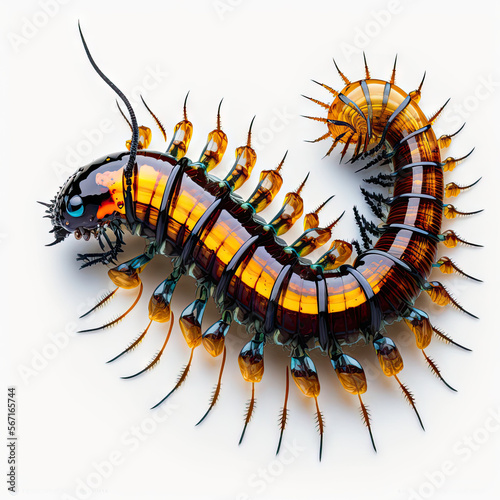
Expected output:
(254, 276)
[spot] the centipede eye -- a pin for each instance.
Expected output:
(74, 207)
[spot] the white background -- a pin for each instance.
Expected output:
(74, 412)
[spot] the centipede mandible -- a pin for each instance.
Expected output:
(351, 294)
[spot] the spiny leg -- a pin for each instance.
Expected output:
(283, 418)
(182, 377)
(216, 146)
(183, 132)
(119, 318)
(101, 302)
(251, 363)
(445, 140)
(352, 377)
(248, 413)
(158, 355)
(391, 363)
(452, 189)
(305, 376)
(216, 393)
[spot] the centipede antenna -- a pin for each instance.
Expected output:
(434, 368)
(156, 119)
(346, 80)
(135, 128)
(367, 71)
(180, 380)
(321, 427)
(249, 412)
(393, 76)
(123, 115)
(366, 418)
(301, 187)
(106, 298)
(156, 359)
(216, 393)
(332, 91)
(134, 344)
(283, 418)
(447, 339)
(249, 138)
(118, 319)
(434, 117)
(411, 400)
(322, 104)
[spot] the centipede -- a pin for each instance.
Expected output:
(351, 294)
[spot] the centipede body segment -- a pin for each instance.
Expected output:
(254, 276)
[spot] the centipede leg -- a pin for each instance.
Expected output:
(216, 393)
(158, 355)
(283, 418)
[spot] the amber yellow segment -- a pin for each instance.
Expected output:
(269, 184)
(449, 164)
(191, 332)
(451, 189)
(112, 181)
(391, 364)
(292, 210)
(252, 369)
(159, 310)
(339, 253)
(245, 161)
(124, 280)
(438, 294)
(309, 385)
(183, 132)
(213, 344)
(311, 221)
(311, 240)
(444, 141)
(144, 138)
(446, 265)
(422, 328)
(214, 150)
(355, 383)
(300, 296)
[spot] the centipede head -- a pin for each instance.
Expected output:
(90, 200)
